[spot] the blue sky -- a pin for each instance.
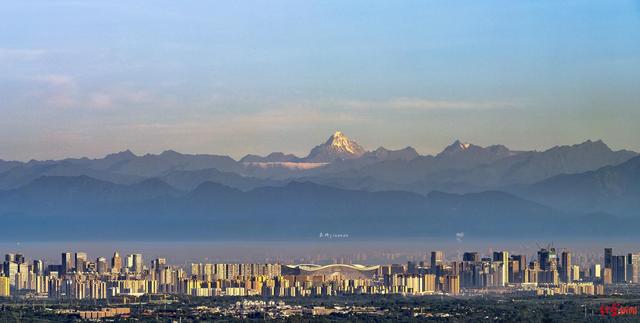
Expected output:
(85, 78)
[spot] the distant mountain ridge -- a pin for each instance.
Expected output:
(340, 157)
(338, 185)
(613, 189)
(460, 167)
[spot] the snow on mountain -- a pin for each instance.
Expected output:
(338, 146)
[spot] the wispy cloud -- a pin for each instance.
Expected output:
(59, 91)
(409, 103)
(249, 123)
(55, 79)
(54, 91)
(21, 54)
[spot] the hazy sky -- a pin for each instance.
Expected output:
(84, 78)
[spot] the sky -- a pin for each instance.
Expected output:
(87, 78)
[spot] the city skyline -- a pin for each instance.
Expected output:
(109, 287)
(87, 79)
(472, 272)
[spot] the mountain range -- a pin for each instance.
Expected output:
(338, 187)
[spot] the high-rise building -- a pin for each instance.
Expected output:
(452, 284)
(565, 274)
(608, 254)
(412, 267)
(67, 262)
(101, 265)
(607, 275)
(116, 262)
(575, 273)
(129, 262)
(429, 283)
(10, 269)
(471, 257)
(18, 258)
(502, 258)
(138, 263)
(81, 262)
(38, 267)
(522, 260)
(595, 272)
(10, 257)
(514, 271)
(437, 257)
(619, 269)
(633, 267)
(5, 286)
(158, 264)
(548, 259)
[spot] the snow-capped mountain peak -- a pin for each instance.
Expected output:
(340, 142)
(338, 146)
(456, 147)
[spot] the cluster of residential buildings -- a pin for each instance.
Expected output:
(77, 277)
